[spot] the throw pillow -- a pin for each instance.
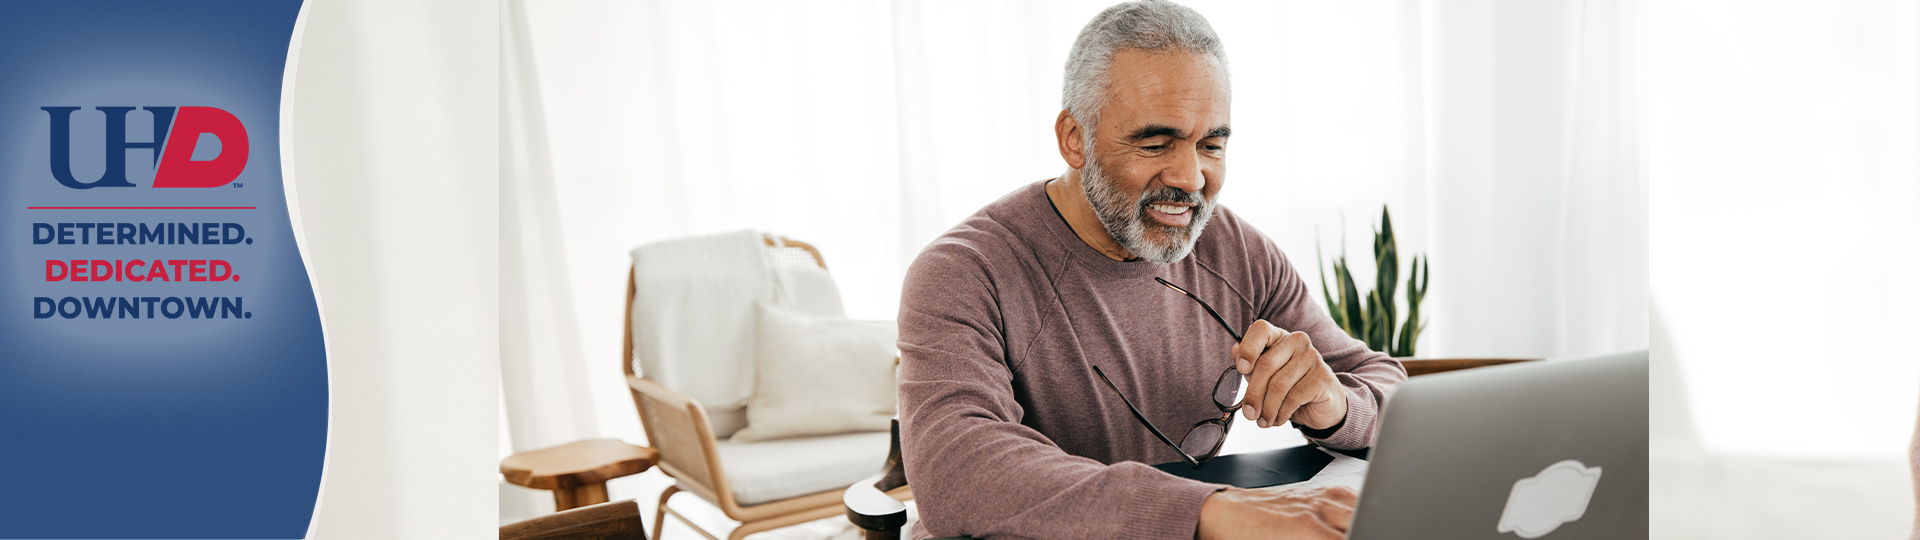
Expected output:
(817, 375)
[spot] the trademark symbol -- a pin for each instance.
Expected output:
(237, 184)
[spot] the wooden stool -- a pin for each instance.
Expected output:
(577, 472)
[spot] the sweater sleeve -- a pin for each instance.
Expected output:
(1367, 375)
(975, 469)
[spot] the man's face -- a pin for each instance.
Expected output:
(1158, 156)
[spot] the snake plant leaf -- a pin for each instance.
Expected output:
(1423, 272)
(1387, 260)
(1350, 299)
(1408, 331)
(1373, 320)
(1416, 291)
(1426, 273)
(1333, 306)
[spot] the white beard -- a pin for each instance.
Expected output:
(1127, 222)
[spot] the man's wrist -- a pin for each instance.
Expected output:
(1212, 510)
(1313, 433)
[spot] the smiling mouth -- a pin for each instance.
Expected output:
(1169, 215)
(1170, 209)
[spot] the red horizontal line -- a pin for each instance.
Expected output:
(140, 208)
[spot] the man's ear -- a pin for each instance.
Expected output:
(1066, 131)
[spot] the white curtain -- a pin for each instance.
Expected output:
(1789, 212)
(546, 395)
(543, 373)
(1505, 136)
(388, 134)
(1536, 185)
(1784, 139)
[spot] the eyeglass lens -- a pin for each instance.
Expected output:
(1202, 439)
(1227, 391)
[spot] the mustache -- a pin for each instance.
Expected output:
(1171, 195)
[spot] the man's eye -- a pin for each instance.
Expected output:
(1154, 148)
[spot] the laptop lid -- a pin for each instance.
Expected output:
(1554, 449)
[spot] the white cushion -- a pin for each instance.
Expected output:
(776, 470)
(817, 375)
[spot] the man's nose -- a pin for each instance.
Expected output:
(1184, 173)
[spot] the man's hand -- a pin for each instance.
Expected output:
(1320, 513)
(1287, 380)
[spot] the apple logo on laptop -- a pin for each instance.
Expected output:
(1541, 503)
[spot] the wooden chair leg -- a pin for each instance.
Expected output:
(574, 497)
(660, 513)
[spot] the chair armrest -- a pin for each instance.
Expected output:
(619, 520)
(874, 504)
(872, 509)
(1428, 366)
(676, 425)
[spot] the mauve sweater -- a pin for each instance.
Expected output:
(1007, 431)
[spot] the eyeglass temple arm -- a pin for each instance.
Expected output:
(1203, 305)
(1143, 419)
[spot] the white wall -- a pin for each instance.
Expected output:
(393, 153)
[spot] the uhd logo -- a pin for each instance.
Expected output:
(174, 163)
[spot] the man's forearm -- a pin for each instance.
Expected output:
(979, 476)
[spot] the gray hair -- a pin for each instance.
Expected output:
(1147, 25)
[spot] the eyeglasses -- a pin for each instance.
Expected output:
(1204, 439)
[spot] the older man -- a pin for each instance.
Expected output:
(1010, 321)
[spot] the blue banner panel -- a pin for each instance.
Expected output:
(162, 368)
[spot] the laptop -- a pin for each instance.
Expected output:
(1554, 449)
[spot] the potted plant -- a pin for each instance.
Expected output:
(1370, 316)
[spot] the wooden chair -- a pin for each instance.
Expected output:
(679, 427)
(605, 521)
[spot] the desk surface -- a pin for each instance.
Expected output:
(1260, 469)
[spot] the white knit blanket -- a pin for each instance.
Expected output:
(693, 319)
